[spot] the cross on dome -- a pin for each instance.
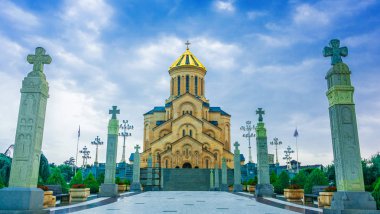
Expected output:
(187, 44)
(236, 144)
(137, 147)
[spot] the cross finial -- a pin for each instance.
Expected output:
(39, 59)
(114, 111)
(236, 144)
(137, 147)
(335, 51)
(260, 112)
(187, 44)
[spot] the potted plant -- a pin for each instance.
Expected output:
(128, 183)
(49, 199)
(325, 197)
(78, 191)
(121, 186)
(294, 193)
(231, 188)
(245, 184)
(251, 185)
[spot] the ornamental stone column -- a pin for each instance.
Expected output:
(263, 187)
(224, 185)
(237, 169)
(217, 186)
(22, 194)
(136, 185)
(212, 187)
(351, 196)
(109, 188)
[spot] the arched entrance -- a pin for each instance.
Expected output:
(186, 165)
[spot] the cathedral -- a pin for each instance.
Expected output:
(187, 132)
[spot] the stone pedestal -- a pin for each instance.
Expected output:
(237, 169)
(224, 185)
(22, 194)
(263, 188)
(351, 196)
(109, 188)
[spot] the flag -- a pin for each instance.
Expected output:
(295, 133)
(79, 132)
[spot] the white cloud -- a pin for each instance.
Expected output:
(253, 15)
(224, 5)
(20, 18)
(307, 15)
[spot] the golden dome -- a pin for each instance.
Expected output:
(187, 59)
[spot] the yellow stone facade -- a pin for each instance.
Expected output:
(187, 132)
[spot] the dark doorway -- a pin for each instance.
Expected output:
(186, 165)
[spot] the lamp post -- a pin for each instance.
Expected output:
(287, 157)
(85, 156)
(97, 142)
(124, 128)
(248, 128)
(276, 143)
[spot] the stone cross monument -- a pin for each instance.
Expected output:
(351, 195)
(109, 188)
(224, 185)
(237, 172)
(263, 188)
(22, 193)
(217, 186)
(136, 185)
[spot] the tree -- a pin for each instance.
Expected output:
(77, 179)
(5, 168)
(100, 178)
(273, 177)
(316, 177)
(300, 179)
(330, 173)
(281, 183)
(44, 171)
(91, 183)
(67, 171)
(376, 193)
(57, 179)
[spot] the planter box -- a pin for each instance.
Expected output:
(128, 187)
(294, 195)
(49, 199)
(79, 195)
(251, 188)
(324, 199)
(245, 188)
(231, 188)
(121, 187)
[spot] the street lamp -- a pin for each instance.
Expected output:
(125, 127)
(287, 157)
(248, 128)
(276, 143)
(97, 142)
(86, 155)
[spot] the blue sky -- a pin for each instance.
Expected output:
(258, 54)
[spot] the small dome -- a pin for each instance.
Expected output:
(187, 59)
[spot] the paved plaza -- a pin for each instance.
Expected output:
(186, 202)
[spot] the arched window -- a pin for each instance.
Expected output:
(196, 85)
(179, 85)
(191, 112)
(183, 133)
(191, 133)
(166, 163)
(187, 83)
(206, 163)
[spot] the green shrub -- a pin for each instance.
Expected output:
(1, 184)
(300, 179)
(281, 183)
(117, 180)
(57, 179)
(100, 178)
(316, 178)
(376, 193)
(91, 183)
(127, 182)
(273, 177)
(77, 179)
(251, 182)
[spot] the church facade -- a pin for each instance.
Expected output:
(187, 132)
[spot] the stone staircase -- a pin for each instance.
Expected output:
(186, 179)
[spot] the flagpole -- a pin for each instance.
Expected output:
(76, 159)
(297, 151)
